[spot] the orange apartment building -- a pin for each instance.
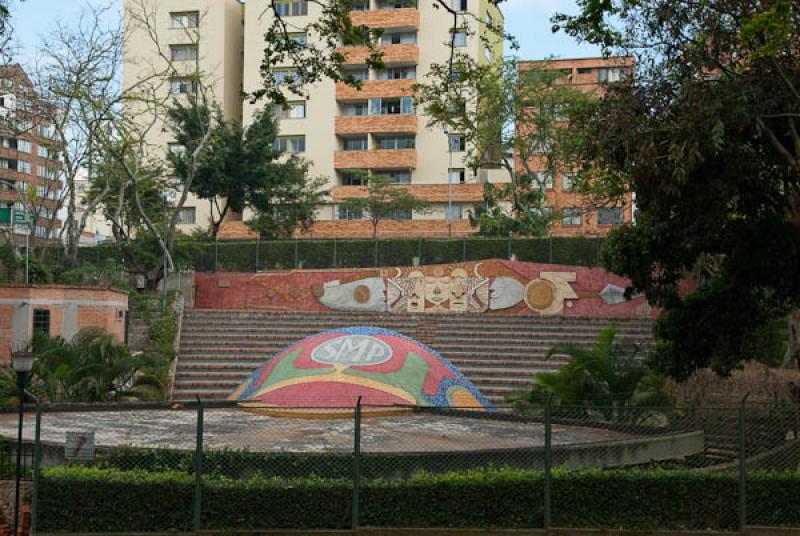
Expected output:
(575, 216)
(29, 168)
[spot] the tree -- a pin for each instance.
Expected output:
(508, 119)
(383, 199)
(707, 137)
(244, 169)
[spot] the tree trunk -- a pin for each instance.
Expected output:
(793, 350)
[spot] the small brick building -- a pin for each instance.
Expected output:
(58, 310)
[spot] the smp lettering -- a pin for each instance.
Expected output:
(355, 350)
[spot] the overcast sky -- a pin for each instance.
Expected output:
(528, 20)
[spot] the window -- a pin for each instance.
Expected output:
(42, 151)
(458, 5)
(460, 38)
(294, 8)
(567, 179)
(403, 105)
(354, 178)
(25, 146)
(359, 108)
(397, 142)
(396, 4)
(571, 216)
(355, 144)
(457, 143)
(453, 212)
(359, 5)
(352, 213)
(542, 179)
(286, 76)
(183, 86)
(5, 163)
(45, 131)
(457, 176)
(487, 53)
(609, 215)
(41, 231)
(186, 19)
(41, 321)
(399, 38)
(294, 110)
(398, 73)
(23, 166)
(358, 74)
(183, 52)
(611, 74)
(585, 70)
(398, 214)
(300, 39)
(290, 144)
(187, 216)
(177, 149)
(398, 176)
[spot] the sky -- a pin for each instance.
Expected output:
(527, 20)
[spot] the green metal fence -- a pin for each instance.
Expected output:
(217, 467)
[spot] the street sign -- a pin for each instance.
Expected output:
(5, 216)
(20, 217)
(79, 446)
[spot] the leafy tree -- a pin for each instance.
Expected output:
(243, 169)
(706, 135)
(382, 199)
(509, 119)
(610, 379)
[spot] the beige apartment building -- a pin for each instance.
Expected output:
(337, 128)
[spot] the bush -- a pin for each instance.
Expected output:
(82, 499)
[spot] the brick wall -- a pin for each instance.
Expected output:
(376, 124)
(387, 18)
(376, 159)
(374, 89)
(433, 193)
(344, 229)
(391, 54)
(7, 499)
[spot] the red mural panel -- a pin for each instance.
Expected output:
(493, 287)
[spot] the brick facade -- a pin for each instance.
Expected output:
(371, 89)
(376, 124)
(376, 159)
(344, 229)
(391, 54)
(387, 18)
(433, 193)
(71, 309)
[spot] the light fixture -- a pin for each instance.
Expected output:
(22, 361)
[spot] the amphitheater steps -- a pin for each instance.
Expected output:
(220, 349)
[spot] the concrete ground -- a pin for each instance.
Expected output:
(238, 429)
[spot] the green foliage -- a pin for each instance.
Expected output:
(610, 379)
(383, 199)
(109, 273)
(93, 368)
(82, 499)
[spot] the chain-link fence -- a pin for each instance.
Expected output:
(222, 467)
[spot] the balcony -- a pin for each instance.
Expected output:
(433, 193)
(372, 89)
(377, 159)
(379, 124)
(387, 18)
(408, 54)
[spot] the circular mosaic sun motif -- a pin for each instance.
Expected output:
(540, 294)
(361, 294)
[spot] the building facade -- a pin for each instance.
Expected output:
(575, 216)
(30, 172)
(342, 131)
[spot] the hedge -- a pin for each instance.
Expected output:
(283, 254)
(92, 500)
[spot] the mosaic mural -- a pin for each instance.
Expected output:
(334, 369)
(495, 287)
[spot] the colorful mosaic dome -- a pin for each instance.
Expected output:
(383, 367)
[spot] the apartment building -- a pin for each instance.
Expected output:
(200, 39)
(342, 131)
(577, 217)
(30, 181)
(98, 229)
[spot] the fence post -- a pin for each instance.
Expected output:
(198, 469)
(334, 253)
(597, 251)
(296, 254)
(550, 249)
(508, 253)
(548, 463)
(419, 250)
(258, 251)
(375, 248)
(37, 460)
(742, 467)
(216, 253)
(464, 249)
(356, 463)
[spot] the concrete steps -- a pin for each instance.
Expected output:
(220, 349)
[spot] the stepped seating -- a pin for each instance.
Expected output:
(219, 349)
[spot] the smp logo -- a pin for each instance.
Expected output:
(352, 350)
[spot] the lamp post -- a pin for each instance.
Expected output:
(22, 362)
(167, 198)
(449, 212)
